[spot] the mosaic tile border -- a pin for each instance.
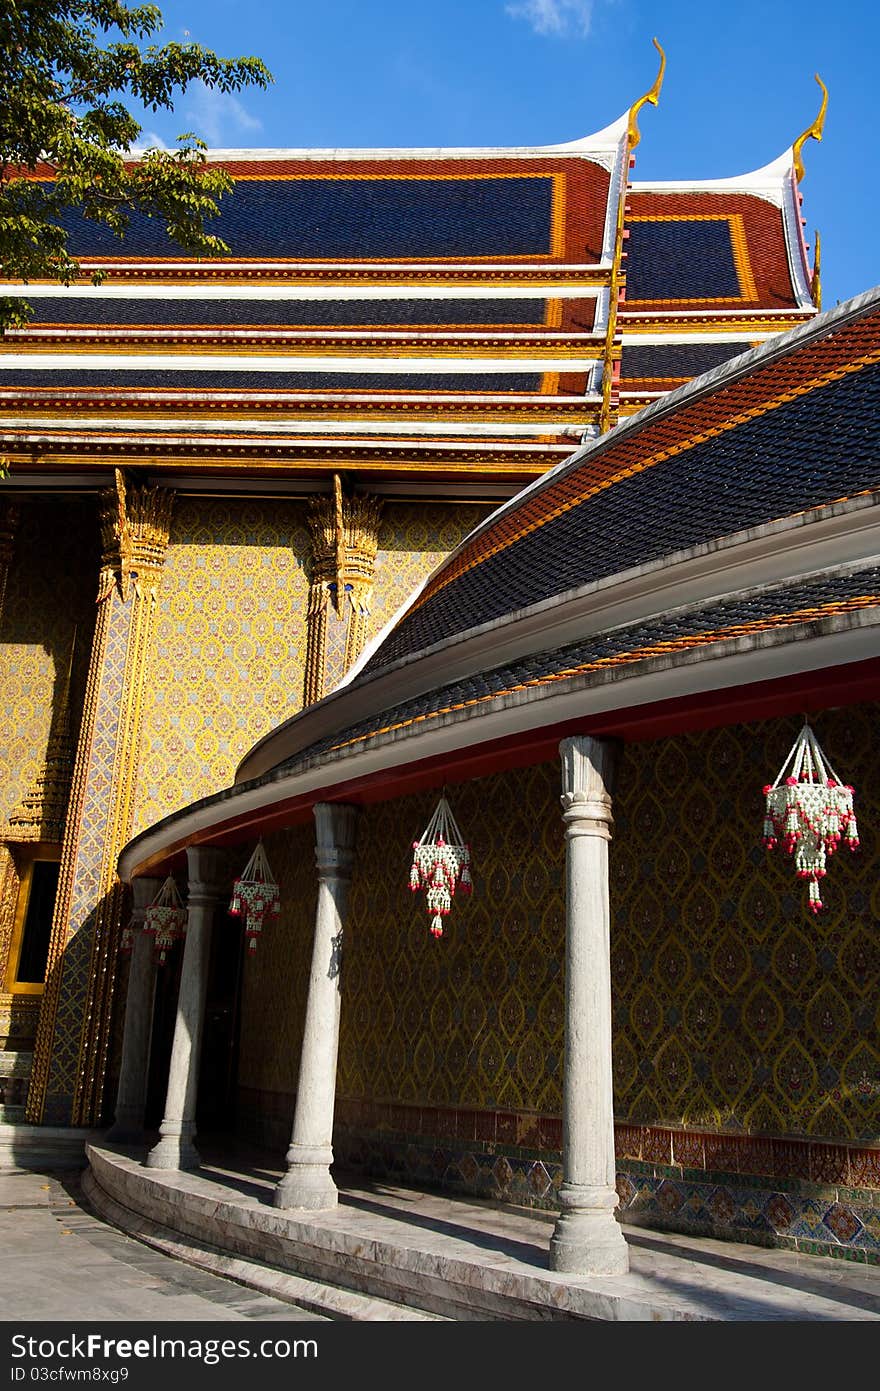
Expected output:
(771, 1191)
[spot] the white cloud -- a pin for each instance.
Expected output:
(218, 117)
(148, 140)
(556, 18)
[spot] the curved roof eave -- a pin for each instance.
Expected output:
(843, 533)
(742, 660)
(767, 182)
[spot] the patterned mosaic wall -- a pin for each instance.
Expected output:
(228, 661)
(474, 1018)
(733, 1008)
(52, 584)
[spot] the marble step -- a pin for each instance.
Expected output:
(310, 1295)
(44, 1147)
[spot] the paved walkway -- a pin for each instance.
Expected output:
(60, 1262)
(65, 1263)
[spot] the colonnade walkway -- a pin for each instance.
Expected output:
(393, 1252)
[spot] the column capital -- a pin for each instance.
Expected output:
(588, 767)
(135, 523)
(335, 835)
(205, 875)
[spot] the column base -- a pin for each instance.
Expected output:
(307, 1183)
(175, 1150)
(587, 1239)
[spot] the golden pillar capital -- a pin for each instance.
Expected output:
(135, 522)
(345, 540)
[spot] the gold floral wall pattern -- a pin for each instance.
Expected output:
(50, 592)
(734, 1006)
(474, 1017)
(229, 647)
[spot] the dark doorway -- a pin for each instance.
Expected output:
(219, 1064)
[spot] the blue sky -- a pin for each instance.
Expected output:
(739, 87)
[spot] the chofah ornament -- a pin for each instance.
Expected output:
(441, 864)
(809, 812)
(255, 896)
(165, 920)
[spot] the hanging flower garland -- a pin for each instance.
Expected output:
(441, 863)
(165, 920)
(809, 811)
(255, 895)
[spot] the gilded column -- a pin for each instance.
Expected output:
(70, 1055)
(345, 538)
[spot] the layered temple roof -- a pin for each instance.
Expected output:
(455, 316)
(725, 541)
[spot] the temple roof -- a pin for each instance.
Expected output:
(726, 537)
(755, 440)
(416, 317)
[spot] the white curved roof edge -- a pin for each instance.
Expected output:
(601, 141)
(821, 539)
(768, 182)
(741, 661)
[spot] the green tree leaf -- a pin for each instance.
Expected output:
(70, 73)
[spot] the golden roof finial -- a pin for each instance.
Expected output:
(814, 131)
(816, 281)
(653, 96)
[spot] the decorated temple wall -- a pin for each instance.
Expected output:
(745, 1031)
(228, 657)
(50, 591)
(275, 980)
(229, 654)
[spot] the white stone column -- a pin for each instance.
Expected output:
(307, 1183)
(176, 1148)
(587, 1239)
(131, 1095)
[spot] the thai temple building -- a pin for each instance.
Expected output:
(469, 481)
